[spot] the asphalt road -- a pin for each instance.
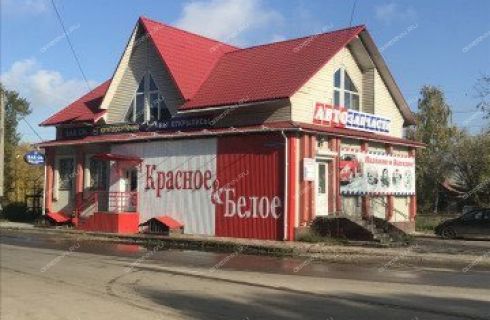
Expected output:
(44, 277)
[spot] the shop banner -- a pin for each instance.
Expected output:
(340, 117)
(366, 173)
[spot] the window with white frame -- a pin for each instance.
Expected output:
(345, 93)
(148, 104)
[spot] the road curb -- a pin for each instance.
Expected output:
(384, 258)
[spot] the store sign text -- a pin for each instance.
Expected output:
(235, 205)
(340, 117)
(249, 207)
(177, 180)
(34, 158)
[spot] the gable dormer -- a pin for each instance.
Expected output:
(160, 69)
(357, 79)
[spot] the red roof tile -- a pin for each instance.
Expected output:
(269, 71)
(85, 109)
(189, 57)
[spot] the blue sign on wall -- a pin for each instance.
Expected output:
(34, 158)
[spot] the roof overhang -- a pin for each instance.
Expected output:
(282, 100)
(117, 157)
(283, 126)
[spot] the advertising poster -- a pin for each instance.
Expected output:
(366, 173)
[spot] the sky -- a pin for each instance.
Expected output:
(445, 43)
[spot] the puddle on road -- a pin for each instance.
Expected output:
(226, 261)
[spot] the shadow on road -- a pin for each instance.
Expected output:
(305, 306)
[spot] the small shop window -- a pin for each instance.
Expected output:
(98, 175)
(345, 92)
(66, 173)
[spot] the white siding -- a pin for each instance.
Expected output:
(400, 209)
(320, 89)
(384, 105)
(144, 57)
(191, 207)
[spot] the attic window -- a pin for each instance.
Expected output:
(148, 104)
(345, 93)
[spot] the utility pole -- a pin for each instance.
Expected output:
(2, 142)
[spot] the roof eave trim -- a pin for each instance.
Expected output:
(229, 106)
(104, 105)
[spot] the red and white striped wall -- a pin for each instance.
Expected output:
(229, 186)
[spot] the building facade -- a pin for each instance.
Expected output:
(254, 142)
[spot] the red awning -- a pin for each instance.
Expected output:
(58, 217)
(116, 157)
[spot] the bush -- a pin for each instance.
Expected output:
(428, 222)
(340, 228)
(18, 211)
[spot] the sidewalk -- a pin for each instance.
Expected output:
(417, 254)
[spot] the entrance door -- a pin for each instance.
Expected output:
(130, 180)
(321, 184)
(126, 199)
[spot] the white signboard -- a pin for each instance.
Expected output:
(340, 117)
(309, 169)
(365, 173)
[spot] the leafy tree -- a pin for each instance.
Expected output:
(16, 108)
(470, 159)
(435, 129)
(26, 179)
(483, 91)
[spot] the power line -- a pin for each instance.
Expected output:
(70, 44)
(33, 130)
(352, 13)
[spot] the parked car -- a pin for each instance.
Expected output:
(472, 224)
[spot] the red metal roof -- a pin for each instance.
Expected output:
(269, 71)
(189, 57)
(210, 73)
(85, 109)
(58, 217)
(169, 222)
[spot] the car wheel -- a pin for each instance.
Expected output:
(448, 233)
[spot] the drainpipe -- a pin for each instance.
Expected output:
(286, 185)
(43, 210)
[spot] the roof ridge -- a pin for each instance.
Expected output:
(295, 39)
(189, 32)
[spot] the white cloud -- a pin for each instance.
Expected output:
(46, 90)
(227, 20)
(31, 7)
(43, 88)
(391, 12)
